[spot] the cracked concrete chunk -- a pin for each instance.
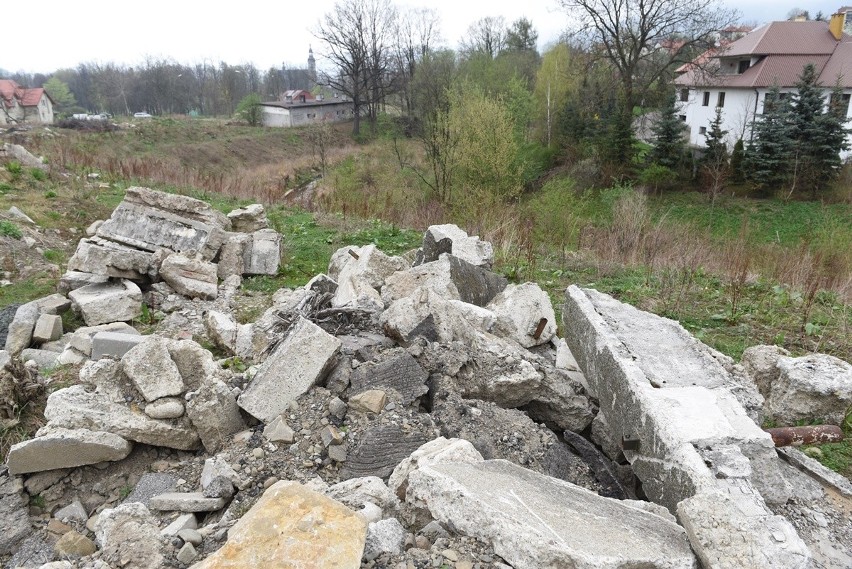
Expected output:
(263, 254)
(531, 520)
(65, 448)
(298, 363)
(524, 314)
(192, 278)
(128, 536)
(151, 369)
(815, 387)
(117, 301)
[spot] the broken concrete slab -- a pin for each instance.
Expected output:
(531, 519)
(65, 448)
(151, 369)
(232, 255)
(263, 255)
(114, 344)
(248, 219)
(96, 256)
(129, 534)
(193, 278)
(190, 502)
(433, 452)
(214, 413)
(165, 408)
(396, 370)
(81, 339)
(449, 238)
(20, 332)
(667, 400)
(297, 524)
(14, 514)
(72, 280)
(524, 314)
(115, 301)
(42, 358)
(76, 408)
(151, 220)
(368, 263)
(48, 328)
(761, 365)
(301, 360)
(815, 387)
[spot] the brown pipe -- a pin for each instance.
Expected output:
(540, 328)
(813, 434)
(354, 254)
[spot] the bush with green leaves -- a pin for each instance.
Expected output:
(14, 167)
(249, 109)
(9, 229)
(38, 174)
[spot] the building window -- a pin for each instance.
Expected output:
(702, 130)
(769, 102)
(684, 95)
(840, 105)
(743, 66)
(720, 102)
(706, 101)
(682, 118)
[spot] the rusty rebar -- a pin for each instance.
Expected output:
(812, 434)
(354, 254)
(540, 328)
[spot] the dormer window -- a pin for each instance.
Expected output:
(743, 66)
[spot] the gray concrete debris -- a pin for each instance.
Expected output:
(81, 339)
(248, 219)
(20, 332)
(151, 369)
(214, 413)
(186, 502)
(151, 484)
(14, 514)
(42, 358)
(761, 365)
(18, 215)
(436, 451)
(151, 220)
(114, 344)
(280, 380)
(638, 365)
(232, 255)
(73, 280)
(96, 256)
(531, 519)
(65, 448)
(449, 238)
(193, 278)
(524, 314)
(263, 255)
(279, 431)
(815, 387)
(48, 328)
(128, 535)
(222, 329)
(355, 493)
(117, 301)
(385, 536)
(20, 154)
(182, 522)
(165, 408)
(73, 512)
(395, 370)
(370, 401)
(216, 470)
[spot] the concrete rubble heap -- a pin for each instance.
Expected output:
(386, 414)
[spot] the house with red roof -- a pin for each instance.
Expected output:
(21, 105)
(738, 76)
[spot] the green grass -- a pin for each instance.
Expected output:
(37, 286)
(9, 229)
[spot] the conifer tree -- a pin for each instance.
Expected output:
(715, 166)
(768, 155)
(668, 140)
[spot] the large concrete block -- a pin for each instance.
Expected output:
(302, 359)
(524, 314)
(116, 301)
(214, 413)
(190, 277)
(114, 344)
(263, 255)
(532, 520)
(151, 369)
(449, 238)
(812, 387)
(102, 257)
(48, 328)
(248, 219)
(82, 338)
(151, 220)
(64, 448)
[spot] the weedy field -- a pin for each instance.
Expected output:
(736, 273)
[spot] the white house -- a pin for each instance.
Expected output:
(19, 104)
(295, 113)
(738, 76)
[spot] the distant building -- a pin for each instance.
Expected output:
(737, 78)
(288, 114)
(21, 105)
(297, 96)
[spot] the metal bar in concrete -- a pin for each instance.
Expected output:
(811, 434)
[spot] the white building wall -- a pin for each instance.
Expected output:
(737, 113)
(276, 116)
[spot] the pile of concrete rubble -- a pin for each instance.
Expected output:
(415, 411)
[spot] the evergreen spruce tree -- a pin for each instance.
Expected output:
(715, 166)
(737, 157)
(669, 145)
(768, 156)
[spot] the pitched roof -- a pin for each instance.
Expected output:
(789, 38)
(782, 50)
(10, 90)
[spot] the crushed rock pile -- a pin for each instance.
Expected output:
(386, 414)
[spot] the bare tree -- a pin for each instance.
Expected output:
(485, 36)
(417, 30)
(358, 36)
(644, 40)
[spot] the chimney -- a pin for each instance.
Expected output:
(835, 25)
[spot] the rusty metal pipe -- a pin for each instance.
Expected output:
(812, 434)
(354, 254)
(540, 328)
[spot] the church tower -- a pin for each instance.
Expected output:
(312, 65)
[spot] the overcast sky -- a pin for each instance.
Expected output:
(64, 34)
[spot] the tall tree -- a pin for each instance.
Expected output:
(417, 30)
(59, 93)
(715, 164)
(486, 36)
(358, 36)
(817, 132)
(668, 140)
(521, 36)
(644, 40)
(768, 154)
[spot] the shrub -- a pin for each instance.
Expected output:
(38, 174)
(14, 168)
(9, 229)
(658, 178)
